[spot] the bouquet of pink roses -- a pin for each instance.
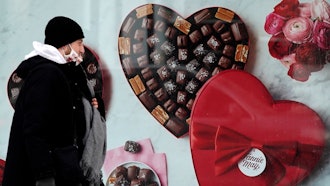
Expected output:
(300, 36)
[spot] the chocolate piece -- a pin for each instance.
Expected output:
(224, 62)
(140, 34)
(182, 41)
(214, 43)
(224, 14)
(137, 85)
(195, 36)
(192, 86)
(182, 25)
(132, 172)
(161, 94)
(159, 26)
(239, 31)
(147, 23)
(167, 14)
(163, 73)
(241, 53)
(124, 45)
(182, 54)
(120, 171)
(226, 37)
(182, 97)
(153, 40)
(147, 100)
(142, 61)
(138, 48)
(146, 73)
(176, 127)
(190, 104)
(122, 181)
(137, 182)
(161, 116)
(128, 25)
(192, 66)
(152, 84)
(219, 26)
(170, 87)
(170, 32)
(144, 10)
(202, 15)
(170, 105)
(132, 146)
(167, 47)
(210, 59)
(157, 57)
(145, 175)
(181, 77)
(200, 50)
(129, 66)
(181, 113)
(228, 50)
(172, 63)
(206, 30)
(202, 75)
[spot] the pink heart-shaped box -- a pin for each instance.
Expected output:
(234, 113)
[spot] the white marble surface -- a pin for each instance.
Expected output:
(23, 21)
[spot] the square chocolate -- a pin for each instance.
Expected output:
(170, 87)
(182, 97)
(168, 48)
(239, 31)
(214, 43)
(182, 41)
(182, 54)
(195, 36)
(129, 66)
(192, 66)
(147, 100)
(202, 74)
(138, 48)
(192, 86)
(157, 57)
(143, 61)
(224, 62)
(206, 30)
(146, 73)
(202, 15)
(147, 23)
(170, 105)
(176, 127)
(172, 63)
(219, 26)
(128, 25)
(161, 95)
(153, 40)
(200, 51)
(152, 84)
(140, 34)
(181, 77)
(170, 32)
(226, 37)
(210, 59)
(163, 73)
(181, 113)
(190, 104)
(229, 51)
(159, 26)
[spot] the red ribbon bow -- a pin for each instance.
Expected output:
(231, 147)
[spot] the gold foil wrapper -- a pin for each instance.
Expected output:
(124, 44)
(160, 114)
(225, 15)
(137, 85)
(182, 25)
(144, 10)
(241, 54)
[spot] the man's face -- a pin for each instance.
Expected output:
(78, 46)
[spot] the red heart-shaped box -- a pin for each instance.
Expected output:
(234, 113)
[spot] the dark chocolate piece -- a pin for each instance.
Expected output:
(224, 62)
(140, 34)
(195, 36)
(170, 32)
(147, 100)
(161, 94)
(129, 66)
(138, 48)
(181, 113)
(192, 86)
(214, 43)
(229, 50)
(128, 25)
(202, 15)
(147, 23)
(200, 51)
(181, 77)
(163, 73)
(122, 181)
(132, 146)
(182, 97)
(172, 63)
(210, 59)
(219, 26)
(143, 61)
(159, 26)
(145, 175)
(192, 66)
(190, 104)
(202, 75)
(170, 105)
(239, 31)
(120, 171)
(168, 15)
(153, 40)
(167, 47)
(206, 30)
(157, 57)
(182, 41)
(152, 84)
(146, 73)
(176, 127)
(226, 37)
(183, 54)
(170, 87)
(132, 172)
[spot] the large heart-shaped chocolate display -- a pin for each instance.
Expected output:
(167, 58)
(234, 115)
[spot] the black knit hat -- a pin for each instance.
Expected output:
(61, 31)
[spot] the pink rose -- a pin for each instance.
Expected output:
(298, 30)
(321, 34)
(305, 10)
(279, 46)
(274, 23)
(320, 10)
(287, 8)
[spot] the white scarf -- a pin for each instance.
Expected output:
(46, 51)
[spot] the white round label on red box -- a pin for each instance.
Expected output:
(253, 164)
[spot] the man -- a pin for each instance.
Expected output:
(50, 116)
